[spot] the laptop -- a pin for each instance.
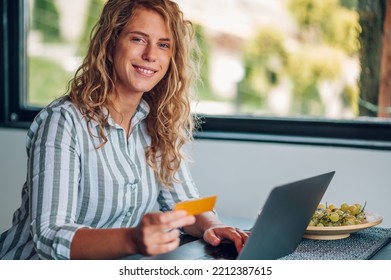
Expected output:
(277, 231)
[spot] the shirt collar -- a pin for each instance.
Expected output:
(141, 113)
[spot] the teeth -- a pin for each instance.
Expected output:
(145, 71)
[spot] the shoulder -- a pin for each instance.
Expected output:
(58, 120)
(61, 114)
(58, 109)
(63, 105)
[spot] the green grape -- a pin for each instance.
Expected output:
(339, 212)
(353, 209)
(321, 206)
(334, 217)
(358, 205)
(361, 216)
(344, 206)
(350, 222)
(331, 206)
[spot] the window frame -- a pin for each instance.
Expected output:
(361, 133)
(15, 26)
(3, 62)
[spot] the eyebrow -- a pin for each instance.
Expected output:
(146, 35)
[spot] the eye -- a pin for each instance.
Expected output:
(164, 45)
(138, 40)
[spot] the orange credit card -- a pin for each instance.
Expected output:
(197, 206)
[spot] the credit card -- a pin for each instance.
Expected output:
(197, 206)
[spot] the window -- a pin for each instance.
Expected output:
(297, 71)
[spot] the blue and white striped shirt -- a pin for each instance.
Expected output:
(71, 184)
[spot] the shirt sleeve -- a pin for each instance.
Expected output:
(53, 176)
(183, 190)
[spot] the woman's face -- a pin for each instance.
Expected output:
(142, 54)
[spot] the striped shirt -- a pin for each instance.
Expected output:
(71, 184)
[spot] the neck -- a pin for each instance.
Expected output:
(122, 110)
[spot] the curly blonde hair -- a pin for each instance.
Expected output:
(169, 123)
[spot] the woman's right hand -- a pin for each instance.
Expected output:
(158, 233)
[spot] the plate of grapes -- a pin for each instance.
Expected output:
(330, 222)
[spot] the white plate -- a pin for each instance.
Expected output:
(339, 232)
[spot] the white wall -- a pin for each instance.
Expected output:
(12, 172)
(242, 173)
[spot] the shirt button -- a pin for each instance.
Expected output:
(128, 214)
(133, 186)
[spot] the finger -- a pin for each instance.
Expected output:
(215, 235)
(162, 242)
(167, 237)
(244, 235)
(166, 247)
(176, 223)
(181, 222)
(171, 216)
(233, 234)
(166, 217)
(211, 237)
(164, 222)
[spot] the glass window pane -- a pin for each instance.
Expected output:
(57, 39)
(280, 58)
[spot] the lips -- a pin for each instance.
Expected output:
(144, 71)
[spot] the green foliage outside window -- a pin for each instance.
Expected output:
(45, 19)
(329, 34)
(94, 10)
(264, 59)
(44, 90)
(203, 89)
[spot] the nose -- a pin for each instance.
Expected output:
(150, 53)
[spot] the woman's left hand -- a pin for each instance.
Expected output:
(214, 235)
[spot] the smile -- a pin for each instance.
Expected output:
(144, 70)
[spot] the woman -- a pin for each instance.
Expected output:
(100, 157)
